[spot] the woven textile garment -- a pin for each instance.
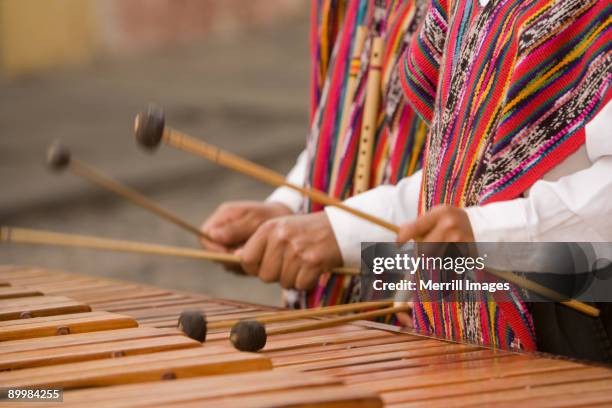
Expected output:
(507, 90)
(400, 133)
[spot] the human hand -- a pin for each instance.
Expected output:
(440, 224)
(233, 223)
(293, 250)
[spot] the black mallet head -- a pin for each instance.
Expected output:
(149, 127)
(58, 156)
(248, 335)
(193, 324)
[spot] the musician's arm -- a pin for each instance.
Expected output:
(576, 207)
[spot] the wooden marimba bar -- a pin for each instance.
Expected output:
(113, 343)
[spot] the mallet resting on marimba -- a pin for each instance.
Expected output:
(195, 324)
(251, 335)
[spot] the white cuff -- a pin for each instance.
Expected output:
(351, 231)
(287, 196)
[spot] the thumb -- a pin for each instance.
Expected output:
(231, 233)
(406, 233)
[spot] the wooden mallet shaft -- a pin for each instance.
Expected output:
(304, 313)
(59, 158)
(544, 292)
(150, 130)
(195, 325)
(38, 237)
(252, 335)
(322, 324)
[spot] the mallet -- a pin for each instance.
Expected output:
(195, 325)
(59, 158)
(39, 237)
(150, 130)
(251, 335)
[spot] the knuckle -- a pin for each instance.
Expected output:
(449, 221)
(248, 260)
(282, 232)
(296, 247)
(224, 207)
(312, 258)
(267, 226)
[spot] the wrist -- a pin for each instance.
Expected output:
(278, 209)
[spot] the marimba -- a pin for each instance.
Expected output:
(110, 343)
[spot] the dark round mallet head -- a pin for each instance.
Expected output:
(149, 127)
(248, 335)
(193, 324)
(58, 156)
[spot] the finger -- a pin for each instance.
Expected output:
(207, 243)
(307, 277)
(425, 223)
(222, 214)
(419, 228)
(233, 232)
(290, 270)
(272, 260)
(437, 234)
(213, 246)
(406, 233)
(253, 251)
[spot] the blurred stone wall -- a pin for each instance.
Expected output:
(137, 24)
(37, 35)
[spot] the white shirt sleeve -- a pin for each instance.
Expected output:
(576, 207)
(287, 196)
(397, 204)
(569, 209)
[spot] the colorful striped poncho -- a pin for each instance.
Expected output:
(400, 132)
(507, 89)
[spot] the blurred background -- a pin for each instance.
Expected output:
(233, 72)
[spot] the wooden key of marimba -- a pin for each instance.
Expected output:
(191, 362)
(98, 351)
(63, 324)
(99, 337)
(321, 397)
(374, 361)
(39, 306)
(264, 389)
(10, 292)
